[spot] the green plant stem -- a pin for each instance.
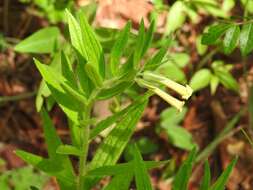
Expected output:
(85, 145)
(207, 58)
(17, 97)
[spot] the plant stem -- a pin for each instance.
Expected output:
(207, 58)
(85, 145)
(17, 97)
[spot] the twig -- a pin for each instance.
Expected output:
(17, 97)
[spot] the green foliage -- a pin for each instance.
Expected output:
(182, 177)
(200, 79)
(53, 10)
(180, 10)
(233, 34)
(177, 135)
(45, 40)
(22, 179)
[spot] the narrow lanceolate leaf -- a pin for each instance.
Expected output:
(214, 33)
(93, 75)
(66, 102)
(53, 142)
(156, 60)
(123, 168)
(118, 48)
(75, 34)
(66, 68)
(102, 125)
(149, 37)
(139, 45)
(51, 137)
(206, 178)
(114, 90)
(84, 41)
(222, 180)
(246, 39)
(93, 49)
(110, 150)
(231, 39)
(140, 171)
(42, 41)
(227, 79)
(68, 150)
(121, 182)
(182, 177)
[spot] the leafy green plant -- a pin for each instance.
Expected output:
(183, 9)
(53, 10)
(228, 34)
(22, 179)
(177, 135)
(219, 73)
(77, 83)
(183, 175)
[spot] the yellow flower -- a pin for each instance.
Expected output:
(168, 98)
(184, 91)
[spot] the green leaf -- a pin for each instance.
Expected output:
(74, 93)
(200, 47)
(146, 146)
(53, 142)
(246, 39)
(93, 50)
(121, 182)
(172, 71)
(206, 178)
(118, 48)
(176, 17)
(68, 150)
(75, 33)
(181, 179)
(51, 168)
(180, 137)
(214, 33)
(113, 145)
(200, 79)
(222, 180)
(42, 41)
(140, 42)
(69, 105)
(227, 79)
(214, 82)
(148, 37)
(123, 168)
(109, 121)
(140, 171)
(171, 117)
(85, 42)
(93, 75)
(116, 89)
(156, 60)
(231, 39)
(66, 69)
(51, 137)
